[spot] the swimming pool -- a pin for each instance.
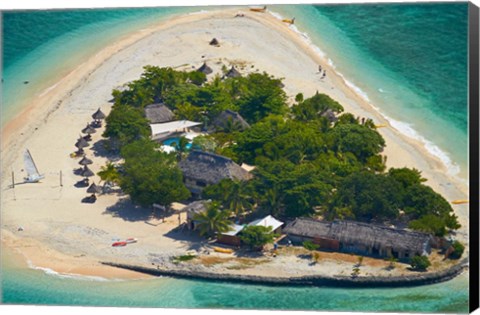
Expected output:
(174, 141)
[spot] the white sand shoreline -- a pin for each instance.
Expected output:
(52, 123)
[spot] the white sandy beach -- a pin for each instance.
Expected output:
(68, 236)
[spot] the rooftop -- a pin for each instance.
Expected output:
(359, 233)
(211, 168)
(158, 113)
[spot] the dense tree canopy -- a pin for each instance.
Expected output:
(234, 195)
(316, 107)
(257, 236)
(126, 124)
(360, 140)
(369, 196)
(151, 176)
(262, 96)
(312, 159)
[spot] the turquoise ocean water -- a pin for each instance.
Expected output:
(402, 58)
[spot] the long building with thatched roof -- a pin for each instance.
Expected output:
(201, 169)
(360, 238)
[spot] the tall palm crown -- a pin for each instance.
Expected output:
(213, 220)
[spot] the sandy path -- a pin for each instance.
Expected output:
(54, 215)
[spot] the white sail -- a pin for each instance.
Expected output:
(32, 172)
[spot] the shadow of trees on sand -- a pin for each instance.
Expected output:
(125, 209)
(99, 148)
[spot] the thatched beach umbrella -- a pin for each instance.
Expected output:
(86, 172)
(214, 42)
(88, 130)
(94, 189)
(98, 115)
(81, 143)
(85, 161)
(232, 73)
(205, 69)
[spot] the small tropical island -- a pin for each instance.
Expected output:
(214, 163)
(266, 178)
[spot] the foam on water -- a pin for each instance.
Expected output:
(407, 130)
(51, 272)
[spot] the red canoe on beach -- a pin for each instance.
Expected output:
(116, 244)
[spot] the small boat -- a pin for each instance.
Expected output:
(121, 243)
(261, 10)
(131, 240)
(33, 176)
(380, 126)
(289, 21)
(459, 202)
(223, 250)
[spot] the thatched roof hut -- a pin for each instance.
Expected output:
(85, 161)
(205, 69)
(359, 235)
(88, 130)
(228, 117)
(232, 73)
(214, 42)
(86, 172)
(81, 143)
(195, 207)
(98, 115)
(210, 168)
(94, 189)
(330, 115)
(158, 113)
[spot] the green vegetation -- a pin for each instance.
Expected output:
(109, 174)
(232, 194)
(257, 236)
(214, 220)
(458, 249)
(359, 261)
(311, 246)
(182, 258)
(150, 176)
(420, 263)
(311, 159)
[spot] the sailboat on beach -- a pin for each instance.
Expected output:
(33, 176)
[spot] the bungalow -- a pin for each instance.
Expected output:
(360, 238)
(201, 169)
(230, 119)
(192, 209)
(232, 237)
(158, 113)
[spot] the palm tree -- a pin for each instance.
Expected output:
(231, 125)
(181, 147)
(109, 174)
(238, 196)
(213, 220)
(272, 200)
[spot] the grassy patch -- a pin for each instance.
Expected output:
(182, 258)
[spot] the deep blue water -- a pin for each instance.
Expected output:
(403, 57)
